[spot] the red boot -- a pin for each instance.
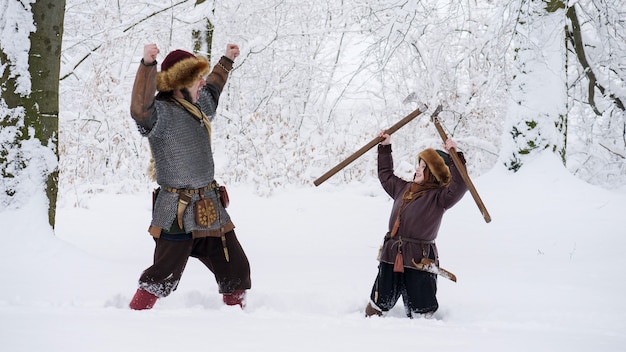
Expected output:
(235, 298)
(142, 300)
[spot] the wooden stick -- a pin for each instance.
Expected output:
(463, 171)
(369, 145)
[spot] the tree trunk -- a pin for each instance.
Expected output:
(575, 37)
(537, 116)
(32, 112)
(44, 66)
(203, 39)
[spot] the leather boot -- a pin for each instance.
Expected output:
(142, 300)
(235, 298)
(370, 310)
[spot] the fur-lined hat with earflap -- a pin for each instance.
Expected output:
(437, 162)
(181, 69)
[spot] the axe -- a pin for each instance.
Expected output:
(461, 168)
(370, 145)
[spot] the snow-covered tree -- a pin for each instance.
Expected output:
(567, 87)
(536, 118)
(316, 81)
(596, 43)
(30, 49)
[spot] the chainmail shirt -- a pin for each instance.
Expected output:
(183, 158)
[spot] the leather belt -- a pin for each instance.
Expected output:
(211, 185)
(184, 197)
(410, 240)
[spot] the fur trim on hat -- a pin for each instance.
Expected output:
(437, 165)
(182, 74)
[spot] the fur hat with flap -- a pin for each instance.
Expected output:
(181, 69)
(437, 162)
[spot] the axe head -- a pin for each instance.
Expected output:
(413, 98)
(436, 113)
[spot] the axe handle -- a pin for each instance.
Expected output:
(368, 146)
(463, 172)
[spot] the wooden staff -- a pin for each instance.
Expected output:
(463, 171)
(370, 145)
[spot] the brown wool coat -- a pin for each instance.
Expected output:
(421, 218)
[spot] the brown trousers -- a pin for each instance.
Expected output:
(170, 259)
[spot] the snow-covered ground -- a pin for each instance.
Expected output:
(547, 274)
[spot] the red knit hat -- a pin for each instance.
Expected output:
(180, 69)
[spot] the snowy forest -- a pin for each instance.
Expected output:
(532, 91)
(317, 81)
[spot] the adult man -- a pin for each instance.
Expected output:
(189, 218)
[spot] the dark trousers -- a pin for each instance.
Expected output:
(170, 259)
(417, 288)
